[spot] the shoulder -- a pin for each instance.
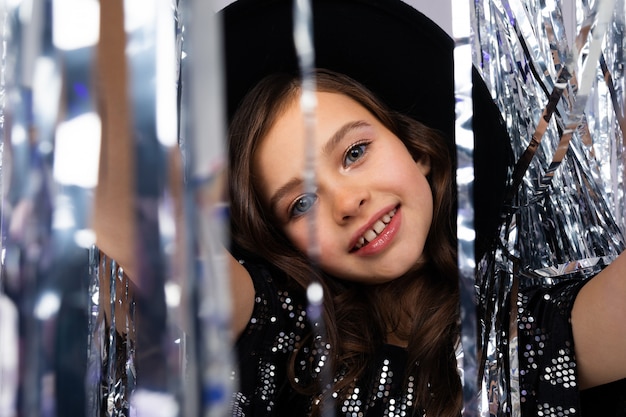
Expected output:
(253, 283)
(546, 357)
(572, 335)
(277, 307)
(275, 329)
(599, 326)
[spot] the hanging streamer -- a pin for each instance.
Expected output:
(464, 138)
(158, 373)
(74, 307)
(9, 377)
(134, 218)
(208, 328)
(29, 228)
(305, 51)
(46, 200)
(76, 150)
(544, 89)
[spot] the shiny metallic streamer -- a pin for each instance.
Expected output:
(75, 151)
(305, 51)
(203, 127)
(46, 205)
(150, 58)
(149, 279)
(521, 124)
(129, 343)
(608, 127)
(53, 137)
(464, 138)
(29, 239)
(27, 208)
(110, 366)
(522, 49)
(8, 308)
(8, 356)
(95, 335)
(113, 407)
(574, 114)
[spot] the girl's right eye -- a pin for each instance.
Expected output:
(302, 205)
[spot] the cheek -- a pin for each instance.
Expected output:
(297, 235)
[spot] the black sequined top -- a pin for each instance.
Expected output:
(278, 324)
(547, 361)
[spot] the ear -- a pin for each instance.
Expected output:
(423, 164)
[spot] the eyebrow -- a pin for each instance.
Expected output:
(340, 133)
(328, 147)
(292, 184)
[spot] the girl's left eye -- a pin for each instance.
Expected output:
(354, 153)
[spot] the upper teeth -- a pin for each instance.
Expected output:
(376, 229)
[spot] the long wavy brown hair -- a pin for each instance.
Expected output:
(421, 307)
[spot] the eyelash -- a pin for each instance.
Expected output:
(362, 145)
(292, 207)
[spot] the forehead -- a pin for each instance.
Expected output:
(287, 132)
(281, 152)
(331, 111)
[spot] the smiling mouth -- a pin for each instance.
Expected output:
(377, 228)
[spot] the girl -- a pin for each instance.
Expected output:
(383, 216)
(387, 261)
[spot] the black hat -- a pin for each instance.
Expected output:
(392, 49)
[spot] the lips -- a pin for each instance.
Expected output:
(377, 228)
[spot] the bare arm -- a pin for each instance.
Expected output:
(113, 217)
(599, 326)
(242, 295)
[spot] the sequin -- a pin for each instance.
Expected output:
(548, 380)
(278, 327)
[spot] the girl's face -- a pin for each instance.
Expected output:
(372, 202)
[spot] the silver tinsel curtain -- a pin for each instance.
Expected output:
(556, 71)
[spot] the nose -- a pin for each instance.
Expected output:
(348, 200)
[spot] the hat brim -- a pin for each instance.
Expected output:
(394, 50)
